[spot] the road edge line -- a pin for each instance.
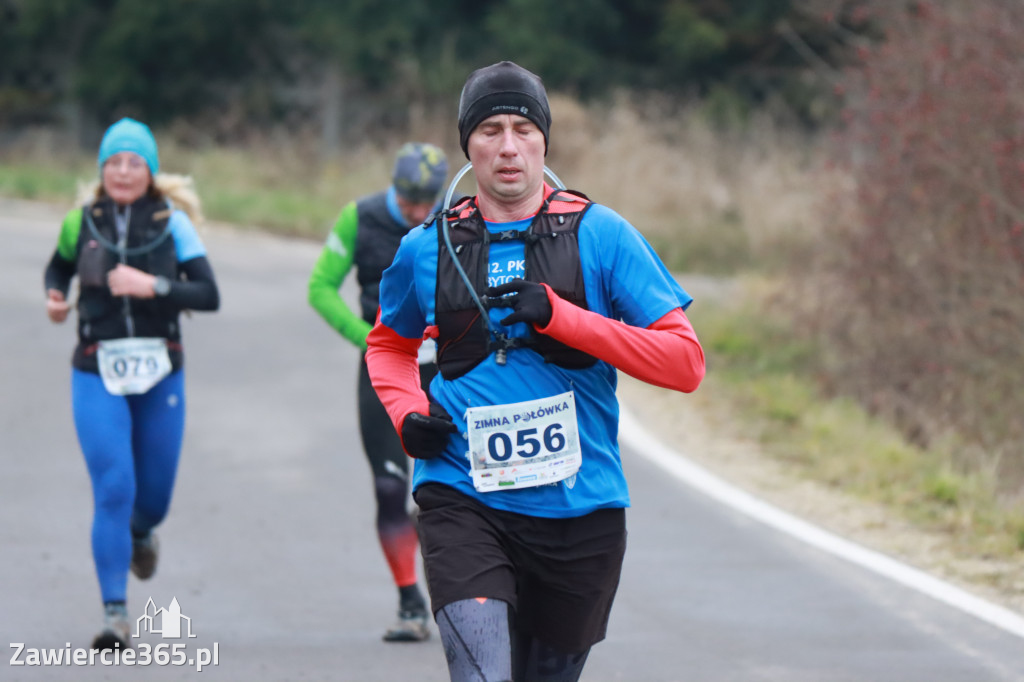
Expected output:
(637, 438)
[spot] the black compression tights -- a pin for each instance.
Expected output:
(391, 494)
(478, 646)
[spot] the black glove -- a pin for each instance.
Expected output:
(425, 437)
(529, 299)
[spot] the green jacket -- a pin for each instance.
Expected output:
(367, 236)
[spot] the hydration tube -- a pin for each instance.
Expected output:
(494, 328)
(120, 248)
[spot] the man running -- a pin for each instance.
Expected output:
(535, 297)
(366, 235)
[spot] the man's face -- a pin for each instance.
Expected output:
(507, 153)
(414, 212)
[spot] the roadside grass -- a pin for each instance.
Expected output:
(270, 185)
(765, 371)
(273, 185)
(41, 181)
(709, 201)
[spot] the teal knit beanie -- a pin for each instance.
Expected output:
(128, 135)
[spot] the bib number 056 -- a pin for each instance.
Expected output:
(525, 444)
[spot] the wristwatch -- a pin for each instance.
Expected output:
(161, 286)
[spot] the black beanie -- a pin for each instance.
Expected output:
(502, 88)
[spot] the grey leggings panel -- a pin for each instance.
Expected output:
(478, 644)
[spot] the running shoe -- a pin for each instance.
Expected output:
(411, 627)
(145, 551)
(116, 633)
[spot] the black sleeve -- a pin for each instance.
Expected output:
(198, 290)
(58, 274)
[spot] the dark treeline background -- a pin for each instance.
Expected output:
(355, 67)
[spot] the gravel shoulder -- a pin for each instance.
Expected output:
(697, 426)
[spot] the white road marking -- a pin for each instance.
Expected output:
(634, 436)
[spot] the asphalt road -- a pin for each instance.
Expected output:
(270, 549)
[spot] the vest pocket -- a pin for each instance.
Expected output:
(94, 262)
(466, 343)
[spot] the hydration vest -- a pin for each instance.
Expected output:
(148, 246)
(551, 245)
(377, 239)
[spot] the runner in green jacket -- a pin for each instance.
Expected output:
(367, 235)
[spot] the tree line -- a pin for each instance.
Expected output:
(262, 60)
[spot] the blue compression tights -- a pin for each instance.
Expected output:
(131, 446)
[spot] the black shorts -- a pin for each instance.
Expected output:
(559, 575)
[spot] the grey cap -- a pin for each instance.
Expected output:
(420, 172)
(502, 88)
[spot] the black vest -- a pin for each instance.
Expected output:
(377, 239)
(551, 245)
(149, 247)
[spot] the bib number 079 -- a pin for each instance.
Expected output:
(135, 366)
(500, 446)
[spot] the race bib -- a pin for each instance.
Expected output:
(132, 366)
(523, 444)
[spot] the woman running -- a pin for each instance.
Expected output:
(139, 263)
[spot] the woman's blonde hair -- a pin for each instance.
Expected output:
(180, 189)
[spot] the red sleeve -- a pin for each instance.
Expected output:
(666, 354)
(395, 373)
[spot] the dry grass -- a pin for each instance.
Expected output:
(710, 200)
